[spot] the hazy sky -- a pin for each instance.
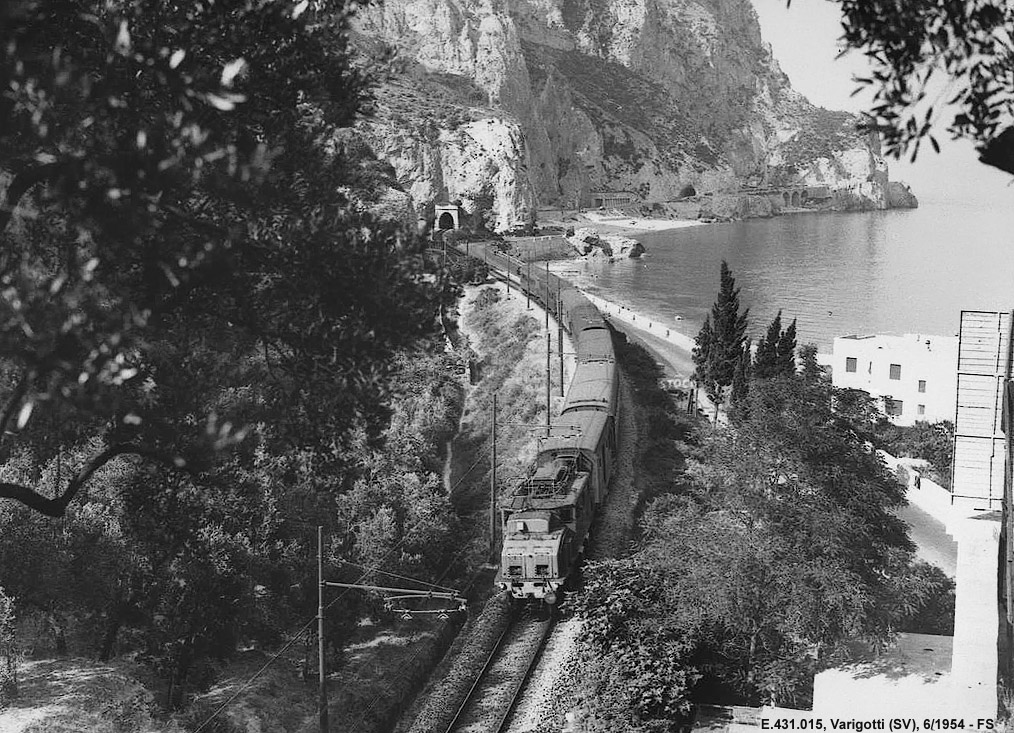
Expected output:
(805, 42)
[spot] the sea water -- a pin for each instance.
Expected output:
(898, 271)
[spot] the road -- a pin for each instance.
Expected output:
(933, 543)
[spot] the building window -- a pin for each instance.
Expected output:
(921, 410)
(850, 363)
(922, 385)
(895, 371)
(892, 407)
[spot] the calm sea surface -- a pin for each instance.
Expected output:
(880, 272)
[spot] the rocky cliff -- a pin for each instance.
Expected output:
(509, 104)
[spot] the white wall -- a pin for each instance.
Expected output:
(932, 359)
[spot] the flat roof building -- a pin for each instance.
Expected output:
(913, 377)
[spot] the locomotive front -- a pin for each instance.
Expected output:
(534, 561)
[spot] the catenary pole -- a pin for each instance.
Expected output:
(321, 662)
(547, 295)
(559, 332)
(549, 376)
(492, 483)
(528, 290)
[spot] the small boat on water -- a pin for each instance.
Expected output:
(679, 317)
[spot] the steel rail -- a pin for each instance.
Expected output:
(482, 674)
(503, 719)
(547, 626)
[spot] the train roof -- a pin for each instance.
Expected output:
(594, 345)
(593, 386)
(582, 313)
(575, 431)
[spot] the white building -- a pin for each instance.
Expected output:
(914, 377)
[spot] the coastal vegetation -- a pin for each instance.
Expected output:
(933, 442)
(721, 346)
(773, 553)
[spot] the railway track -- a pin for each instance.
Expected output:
(497, 688)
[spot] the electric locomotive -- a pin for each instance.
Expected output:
(546, 520)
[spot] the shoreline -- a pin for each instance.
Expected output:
(671, 348)
(614, 223)
(637, 225)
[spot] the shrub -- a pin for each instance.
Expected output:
(8, 650)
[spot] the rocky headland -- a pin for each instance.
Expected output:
(676, 107)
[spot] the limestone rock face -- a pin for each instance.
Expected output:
(475, 157)
(574, 96)
(588, 243)
(624, 247)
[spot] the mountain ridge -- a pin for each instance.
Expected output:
(548, 101)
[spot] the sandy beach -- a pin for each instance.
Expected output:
(612, 222)
(673, 349)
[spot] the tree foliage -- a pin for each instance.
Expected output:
(188, 234)
(719, 344)
(201, 324)
(8, 649)
(933, 442)
(781, 552)
(776, 351)
(968, 44)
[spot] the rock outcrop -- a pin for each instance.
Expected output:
(900, 196)
(505, 104)
(589, 243)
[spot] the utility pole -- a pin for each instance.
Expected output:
(492, 484)
(528, 290)
(321, 663)
(559, 332)
(549, 374)
(547, 295)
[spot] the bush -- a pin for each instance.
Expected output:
(8, 650)
(933, 442)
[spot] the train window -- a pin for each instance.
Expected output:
(514, 571)
(542, 570)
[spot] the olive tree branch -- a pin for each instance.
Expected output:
(57, 506)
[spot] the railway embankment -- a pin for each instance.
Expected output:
(651, 431)
(507, 341)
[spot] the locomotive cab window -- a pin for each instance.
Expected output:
(514, 571)
(542, 570)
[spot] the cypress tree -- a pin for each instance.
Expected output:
(728, 329)
(702, 350)
(786, 350)
(766, 359)
(719, 344)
